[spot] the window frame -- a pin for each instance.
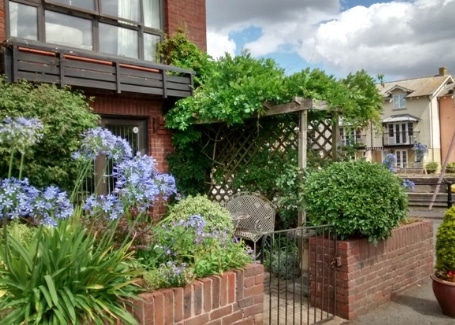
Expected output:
(401, 101)
(96, 17)
(400, 132)
(400, 154)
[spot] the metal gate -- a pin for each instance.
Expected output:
(132, 130)
(299, 282)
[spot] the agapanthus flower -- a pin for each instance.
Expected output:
(52, 204)
(139, 184)
(105, 205)
(17, 198)
(20, 133)
(20, 199)
(408, 185)
(100, 141)
(389, 162)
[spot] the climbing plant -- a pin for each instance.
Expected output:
(232, 90)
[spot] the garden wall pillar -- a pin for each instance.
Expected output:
(369, 275)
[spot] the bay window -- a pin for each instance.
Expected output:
(130, 28)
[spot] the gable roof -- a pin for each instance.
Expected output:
(424, 86)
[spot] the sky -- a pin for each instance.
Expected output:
(397, 39)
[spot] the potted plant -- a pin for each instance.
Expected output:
(450, 168)
(431, 167)
(444, 276)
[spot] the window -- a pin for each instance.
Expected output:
(349, 136)
(400, 133)
(130, 28)
(67, 30)
(23, 21)
(399, 101)
(402, 158)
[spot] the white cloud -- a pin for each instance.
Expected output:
(219, 44)
(398, 39)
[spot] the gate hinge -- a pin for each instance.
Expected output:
(336, 262)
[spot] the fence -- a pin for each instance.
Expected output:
(423, 192)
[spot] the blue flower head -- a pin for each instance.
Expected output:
(20, 133)
(100, 141)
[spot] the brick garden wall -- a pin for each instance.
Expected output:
(233, 298)
(369, 275)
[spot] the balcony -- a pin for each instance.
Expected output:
(40, 62)
(400, 138)
(357, 142)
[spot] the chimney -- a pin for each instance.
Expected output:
(443, 71)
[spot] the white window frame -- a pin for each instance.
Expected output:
(402, 158)
(399, 101)
(401, 133)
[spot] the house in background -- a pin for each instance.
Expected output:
(411, 115)
(107, 48)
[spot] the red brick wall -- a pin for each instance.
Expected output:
(2, 20)
(369, 275)
(234, 298)
(189, 15)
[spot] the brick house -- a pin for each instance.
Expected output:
(107, 48)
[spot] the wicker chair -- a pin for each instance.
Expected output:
(253, 216)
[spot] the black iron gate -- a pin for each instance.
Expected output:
(300, 275)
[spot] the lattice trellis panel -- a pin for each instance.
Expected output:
(268, 143)
(321, 138)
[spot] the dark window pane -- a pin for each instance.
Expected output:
(127, 9)
(85, 4)
(150, 46)
(152, 13)
(118, 41)
(23, 21)
(67, 30)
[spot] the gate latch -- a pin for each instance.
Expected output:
(336, 262)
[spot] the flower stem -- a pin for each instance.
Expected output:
(21, 165)
(10, 170)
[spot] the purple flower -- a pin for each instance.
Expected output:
(408, 185)
(100, 141)
(104, 205)
(20, 199)
(20, 133)
(139, 184)
(389, 162)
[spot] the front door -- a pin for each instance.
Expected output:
(134, 131)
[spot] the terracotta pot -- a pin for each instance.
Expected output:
(444, 292)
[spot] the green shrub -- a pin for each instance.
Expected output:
(62, 276)
(65, 114)
(192, 249)
(431, 167)
(445, 245)
(21, 231)
(215, 216)
(359, 198)
(450, 168)
(282, 258)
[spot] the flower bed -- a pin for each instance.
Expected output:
(369, 275)
(235, 297)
